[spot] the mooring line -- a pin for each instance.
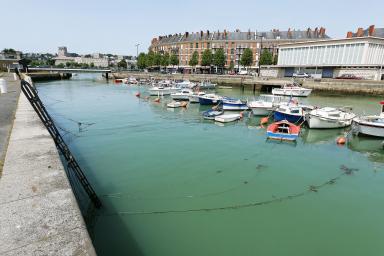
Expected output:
(311, 189)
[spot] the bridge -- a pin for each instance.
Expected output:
(73, 70)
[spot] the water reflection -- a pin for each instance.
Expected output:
(370, 146)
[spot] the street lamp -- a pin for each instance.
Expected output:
(137, 50)
(261, 48)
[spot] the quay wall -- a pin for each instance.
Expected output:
(39, 214)
(48, 76)
(360, 87)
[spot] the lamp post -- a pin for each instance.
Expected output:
(261, 48)
(137, 50)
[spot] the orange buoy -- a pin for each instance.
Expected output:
(241, 115)
(264, 120)
(183, 104)
(138, 94)
(341, 140)
(157, 100)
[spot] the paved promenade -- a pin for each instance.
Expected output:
(39, 214)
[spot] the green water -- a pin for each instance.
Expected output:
(151, 166)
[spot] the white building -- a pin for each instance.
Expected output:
(360, 56)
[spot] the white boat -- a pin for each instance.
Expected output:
(207, 85)
(234, 104)
(226, 118)
(194, 98)
(185, 84)
(130, 80)
(210, 99)
(371, 125)
(177, 104)
(293, 113)
(162, 90)
(328, 117)
(265, 104)
(292, 90)
(183, 94)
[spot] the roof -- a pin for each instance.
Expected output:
(377, 32)
(330, 40)
(239, 36)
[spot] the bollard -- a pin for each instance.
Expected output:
(14, 76)
(3, 86)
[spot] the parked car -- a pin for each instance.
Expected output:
(243, 72)
(349, 76)
(301, 75)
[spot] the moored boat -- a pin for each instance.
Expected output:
(194, 98)
(183, 94)
(177, 104)
(283, 130)
(292, 90)
(210, 99)
(212, 113)
(162, 90)
(226, 118)
(265, 104)
(370, 125)
(185, 84)
(291, 112)
(207, 85)
(327, 117)
(234, 104)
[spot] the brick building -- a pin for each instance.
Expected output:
(233, 43)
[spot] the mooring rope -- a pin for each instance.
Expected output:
(311, 189)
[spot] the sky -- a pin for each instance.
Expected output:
(116, 26)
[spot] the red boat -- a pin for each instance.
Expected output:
(283, 130)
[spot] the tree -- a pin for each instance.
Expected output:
(174, 60)
(142, 61)
(266, 57)
(150, 58)
(61, 65)
(275, 59)
(246, 58)
(231, 65)
(207, 58)
(219, 58)
(194, 60)
(50, 62)
(165, 60)
(92, 65)
(157, 59)
(122, 64)
(9, 51)
(68, 64)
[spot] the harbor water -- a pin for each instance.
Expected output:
(174, 184)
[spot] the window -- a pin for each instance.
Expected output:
(197, 45)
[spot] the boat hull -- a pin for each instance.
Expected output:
(180, 97)
(317, 122)
(230, 106)
(369, 129)
(227, 118)
(260, 111)
(205, 101)
(294, 93)
(280, 136)
(278, 116)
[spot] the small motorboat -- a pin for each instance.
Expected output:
(194, 98)
(370, 125)
(185, 84)
(234, 104)
(292, 90)
(291, 112)
(183, 94)
(210, 99)
(283, 130)
(130, 80)
(226, 118)
(162, 90)
(212, 113)
(118, 81)
(265, 104)
(177, 104)
(327, 117)
(207, 85)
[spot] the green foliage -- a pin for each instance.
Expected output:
(266, 57)
(174, 60)
(195, 59)
(68, 64)
(157, 59)
(219, 58)
(142, 61)
(61, 65)
(150, 58)
(50, 62)
(9, 51)
(246, 58)
(122, 64)
(165, 59)
(207, 58)
(275, 59)
(92, 65)
(231, 65)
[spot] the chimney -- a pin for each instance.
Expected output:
(289, 33)
(360, 32)
(201, 33)
(186, 34)
(371, 30)
(316, 32)
(349, 34)
(309, 32)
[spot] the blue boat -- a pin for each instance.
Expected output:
(283, 131)
(234, 104)
(210, 99)
(292, 113)
(212, 113)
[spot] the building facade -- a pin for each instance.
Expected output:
(361, 56)
(96, 59)
(233, 43)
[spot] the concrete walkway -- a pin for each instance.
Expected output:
(39, 214)
(8, 103)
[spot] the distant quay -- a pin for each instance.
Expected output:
(338, 86)
(48, 76)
